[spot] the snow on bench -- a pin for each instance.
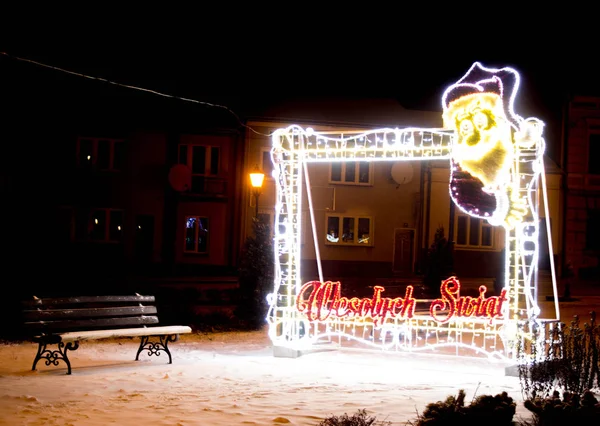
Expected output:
(65, 322)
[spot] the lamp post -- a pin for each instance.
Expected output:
(256, 180)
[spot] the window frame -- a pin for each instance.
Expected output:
(208, 172)
(196, 252)
(354, 242)
(94, 154)
(107, 231)
(356, 181)
(483, 223)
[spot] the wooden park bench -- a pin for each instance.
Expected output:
(66, 321)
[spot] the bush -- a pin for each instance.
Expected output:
(570, 363)
(256, 275)
(360, 418)
(490, 410)
(439, 262)
(571, 409)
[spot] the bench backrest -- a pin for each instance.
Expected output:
(56, 315)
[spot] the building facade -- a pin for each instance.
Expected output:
(582, 206)
(110, 190)
(373, 223)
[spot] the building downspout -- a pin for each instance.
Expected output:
(420, 218)
(564, 184)
(428, 214)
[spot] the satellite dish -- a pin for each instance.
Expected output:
(402, 172)
(180, 177)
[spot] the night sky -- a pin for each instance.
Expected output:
(415, 73)
(249, 66)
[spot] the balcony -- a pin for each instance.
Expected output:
(207, 186)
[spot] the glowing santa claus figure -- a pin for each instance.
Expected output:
(479, 107)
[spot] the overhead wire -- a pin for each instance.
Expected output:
(143, 89)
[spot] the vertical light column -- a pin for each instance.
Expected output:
(287, 148)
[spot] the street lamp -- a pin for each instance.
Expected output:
(256, 180)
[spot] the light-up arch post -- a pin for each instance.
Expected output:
(304, 314)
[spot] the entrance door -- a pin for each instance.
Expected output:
(404, 240)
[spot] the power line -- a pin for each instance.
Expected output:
(128, 86)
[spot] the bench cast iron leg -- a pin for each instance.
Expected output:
(154, 348)
(53, 357)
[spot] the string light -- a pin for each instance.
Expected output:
(494, 177)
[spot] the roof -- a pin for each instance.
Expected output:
(355, 112)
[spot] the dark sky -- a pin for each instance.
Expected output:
(262, 64)
(416, 74)
(241, 58)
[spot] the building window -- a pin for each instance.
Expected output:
(266, 164)
(196, 234)
(473, 232)
(349, 230)
(100, 153)
(106, 225)
(350, 172)
(203, 162)
(593, 153)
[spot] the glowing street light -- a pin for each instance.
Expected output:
(256, 180)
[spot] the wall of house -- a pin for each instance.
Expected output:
(439, 210)
(219, 208)
(146, 195)
(583, 185)
(217, 243)
(488, 262)
(468, 262)
(554, 189)
(390, 206)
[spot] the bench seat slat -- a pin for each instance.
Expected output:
(56, 314)
(61, 301)
(122, 332)
(81, 324)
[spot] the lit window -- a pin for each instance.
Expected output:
(473, 232)
(351, 172)
(100, 153)
(349, 230)
(106, 225)
(196, 234)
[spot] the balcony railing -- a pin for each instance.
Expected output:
(210, 186)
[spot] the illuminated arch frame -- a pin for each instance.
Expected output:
(497, 338)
